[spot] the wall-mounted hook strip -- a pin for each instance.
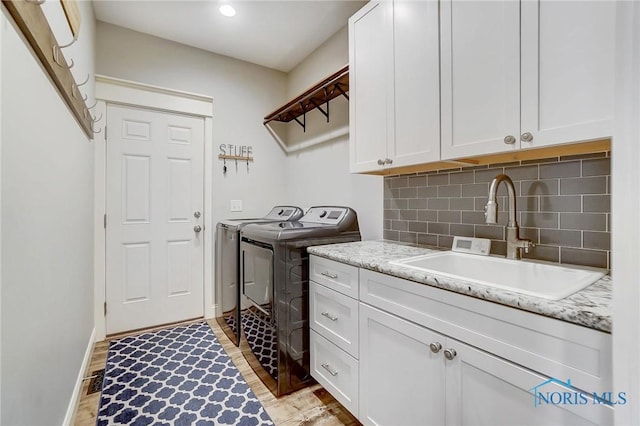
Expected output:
(56, 50)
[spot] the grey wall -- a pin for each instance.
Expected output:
(320, 174)
(564, 206)
(242, 94)
(47, 242)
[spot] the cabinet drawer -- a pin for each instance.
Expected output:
(336, 370)
(335, 275)
(335, 317)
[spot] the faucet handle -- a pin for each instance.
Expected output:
(528, 244)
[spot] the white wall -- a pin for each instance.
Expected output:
(47, 242)
(243, 93)
(625, 206)
(320, 174)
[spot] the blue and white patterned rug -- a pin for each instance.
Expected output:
(177, 376)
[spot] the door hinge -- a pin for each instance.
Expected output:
(105, 132)
(105, 309)
(105, 221)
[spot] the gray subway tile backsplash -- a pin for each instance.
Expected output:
(599, 167)
(585, 185)
(563, 206)
(584, 221)
(561, 237)
(450, 191)
(539, 187)
(597, 240)
(597, 258)
(560, 170)
(596, 203)
(561, 203)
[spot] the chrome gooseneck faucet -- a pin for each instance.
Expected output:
(514, 244)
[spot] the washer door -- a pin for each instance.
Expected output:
(257, 275)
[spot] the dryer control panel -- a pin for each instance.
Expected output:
(328, 215)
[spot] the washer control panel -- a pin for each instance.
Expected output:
(328, 215)
(470, 245)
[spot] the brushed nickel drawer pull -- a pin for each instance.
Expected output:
(328, 315)
(330, 370)
(329, 275)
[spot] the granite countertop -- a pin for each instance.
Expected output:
(590, 307)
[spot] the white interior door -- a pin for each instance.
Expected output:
(155, 199)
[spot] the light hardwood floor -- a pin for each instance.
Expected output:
(310, 406)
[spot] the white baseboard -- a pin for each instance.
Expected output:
(71, 409)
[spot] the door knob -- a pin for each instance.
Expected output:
(450, 354)
(388, 161)
(380, 162)
(435, 347)
(509, 140)
(197, 214)
(526, 137)
(197, 228)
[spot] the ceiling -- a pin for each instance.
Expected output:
(276, 34)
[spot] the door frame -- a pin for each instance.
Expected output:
(110, 90)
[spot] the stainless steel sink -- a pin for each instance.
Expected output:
(551, 282)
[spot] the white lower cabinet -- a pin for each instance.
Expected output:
(401, 381)
(482, 389)
(410, 375)
(333, 323)
(336, 370)
(411, 354)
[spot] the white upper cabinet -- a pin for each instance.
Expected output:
(480, 76)
(525, 74)
(567, 71)
(416, 82)
(370, 71)
(394, 85)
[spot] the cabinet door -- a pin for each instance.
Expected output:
(567, 70)
(401, 380)
(417, 83)
(370, 91)
(486, 390)
(480, 69)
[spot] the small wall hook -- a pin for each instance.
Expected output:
(56, 50)
(95, 120)
(86, 80)
(94, 104)
(75, 91)
(75, 38)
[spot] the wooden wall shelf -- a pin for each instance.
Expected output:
(317, 96)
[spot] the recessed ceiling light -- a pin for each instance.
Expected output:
(227, 10)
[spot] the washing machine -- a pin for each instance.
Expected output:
(227, 265)
(274, 277)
